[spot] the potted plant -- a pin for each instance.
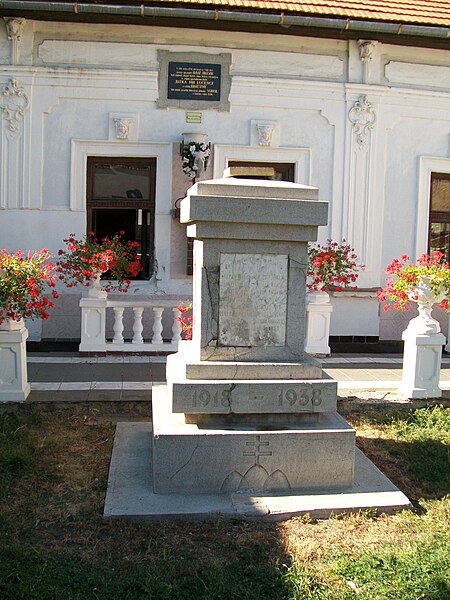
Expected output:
(87, 260)
(331, 267)
(26, 282)
(424, 283)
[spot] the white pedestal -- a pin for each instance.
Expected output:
(318, 317)
(14, 386)
(93, 324)
(421, 364)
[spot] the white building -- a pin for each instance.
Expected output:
(355, 102)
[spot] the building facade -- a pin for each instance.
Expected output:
(92, 122)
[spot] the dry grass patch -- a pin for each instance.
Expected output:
(54, 541)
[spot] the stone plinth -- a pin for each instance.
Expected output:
(188, 458)
(14, 386)
(421, 364)
(250, 261)
(245, 411)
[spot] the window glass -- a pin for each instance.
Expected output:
(281, 171)
(121, 197)
(439, 229)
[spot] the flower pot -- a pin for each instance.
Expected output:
(95, 290)
(14, 386)
(318, 317)
(423, 346)
(425, 298)
(12, 325)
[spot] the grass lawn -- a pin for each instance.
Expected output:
(54, 544)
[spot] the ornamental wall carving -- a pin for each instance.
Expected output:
(14, 102)
(363, 118)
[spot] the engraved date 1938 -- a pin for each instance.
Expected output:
(293, 398)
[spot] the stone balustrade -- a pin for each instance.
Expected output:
(145, 334)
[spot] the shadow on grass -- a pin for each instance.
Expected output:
(27, 574)
(54, 543)
(420, 468)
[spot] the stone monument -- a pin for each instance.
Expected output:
(247, 423)
(244, 409)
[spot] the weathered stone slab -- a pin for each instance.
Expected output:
(182, 366)
(253, 188)
(255, 210)
(252, 299)
(130, 491)
(224, 397)
(188, 459)
(245, 231)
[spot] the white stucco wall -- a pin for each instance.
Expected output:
(77, 76)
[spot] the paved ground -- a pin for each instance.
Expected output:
(69, 377)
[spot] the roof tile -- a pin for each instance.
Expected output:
(424, 12)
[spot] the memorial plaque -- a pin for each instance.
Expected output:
(253, 299)
(194, 81)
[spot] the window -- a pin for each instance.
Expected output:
(121, 196)
(282, 171)
(439, 223)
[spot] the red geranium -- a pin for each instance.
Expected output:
(85, 259)
(332, 266)
(24, 279)
(403, 278)
(185, 320)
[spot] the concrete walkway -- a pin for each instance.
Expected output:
(69, 377)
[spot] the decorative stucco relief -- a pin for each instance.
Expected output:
(14, 29)
(265, 131)
(365, 50)
(363, 118)
(122, 127)
(14, 102)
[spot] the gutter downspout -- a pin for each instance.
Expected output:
(283, 20)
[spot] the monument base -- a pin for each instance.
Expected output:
(230, 456)
(130, 491)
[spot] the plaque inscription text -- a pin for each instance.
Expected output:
(193, 81)
(253, 299)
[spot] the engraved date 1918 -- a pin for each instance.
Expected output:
(303, 398)
(206, 398)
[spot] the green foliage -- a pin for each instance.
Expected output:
(417, 569)
(27, 574)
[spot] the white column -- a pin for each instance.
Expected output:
(137, 325)
(176, 327)
(318, 317)
(93, 325)
(118, 325)
(14, 386)
(157, 325)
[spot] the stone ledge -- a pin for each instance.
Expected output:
(130, 496)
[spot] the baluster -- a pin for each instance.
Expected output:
(157, 325)
(137, 325)
(118, 325)
(176, 327)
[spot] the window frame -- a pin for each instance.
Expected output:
(148, 204)
(436, 216)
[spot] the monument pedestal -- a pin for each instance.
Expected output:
(246, 416)
(244, 408)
